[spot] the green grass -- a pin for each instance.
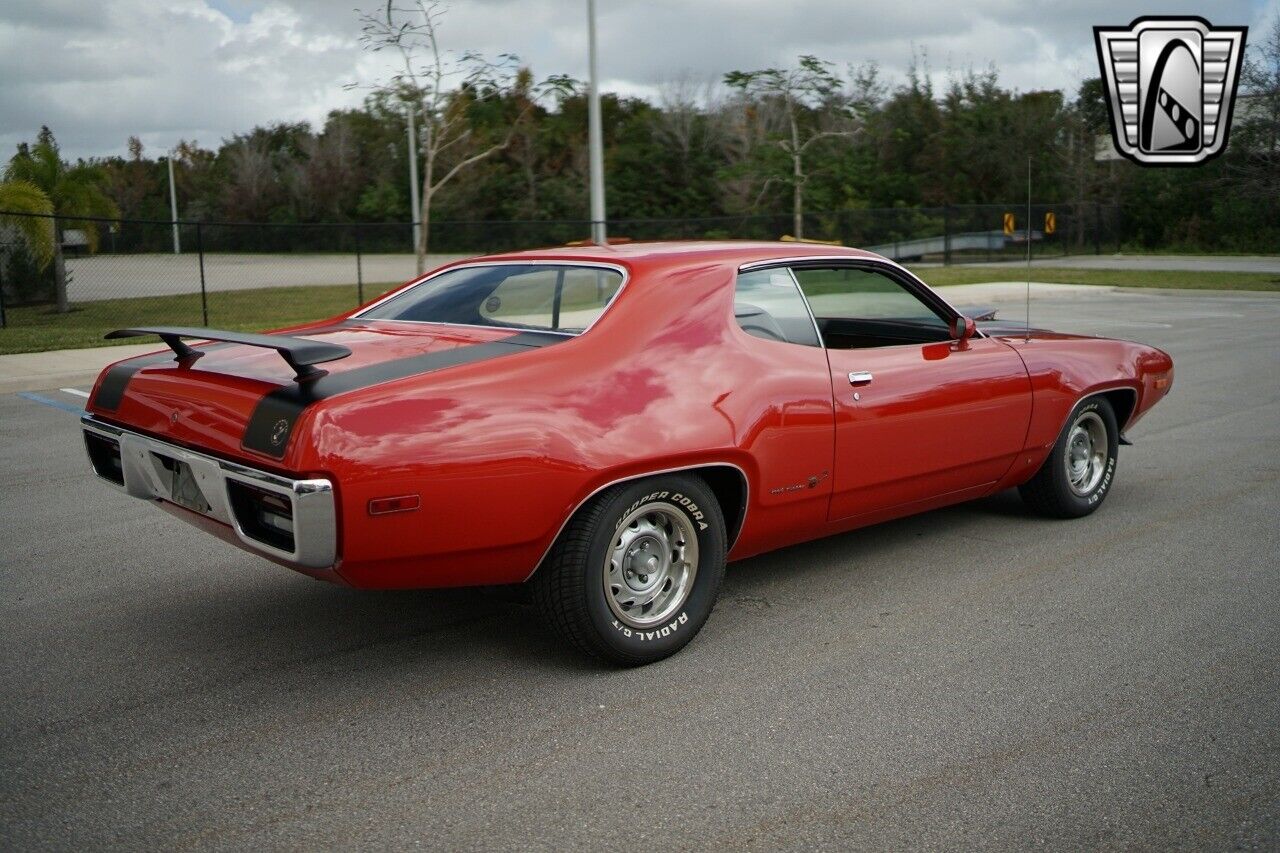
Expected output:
(40, 328)
(1178, 279)
(36, 329)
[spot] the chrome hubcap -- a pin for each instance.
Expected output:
(651, 565)
(1087, 448)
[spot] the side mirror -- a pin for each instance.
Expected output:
(963, 328)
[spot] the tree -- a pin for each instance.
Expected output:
(451, 139)
(1255, 139)
(74, 194)
(23, 197)
(810, 106)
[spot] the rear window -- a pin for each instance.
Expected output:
(549, 297)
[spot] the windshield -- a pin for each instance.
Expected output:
(551, 297)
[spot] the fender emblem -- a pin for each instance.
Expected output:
(279, 431)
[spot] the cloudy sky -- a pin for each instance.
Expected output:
(99, 71)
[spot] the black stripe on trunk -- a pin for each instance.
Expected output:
(111, 391)
(272, 422)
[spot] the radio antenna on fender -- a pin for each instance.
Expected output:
(1026, 335)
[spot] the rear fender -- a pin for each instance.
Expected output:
(735, 516)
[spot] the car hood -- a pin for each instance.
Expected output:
(1013, 329)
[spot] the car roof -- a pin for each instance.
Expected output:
(684, 252)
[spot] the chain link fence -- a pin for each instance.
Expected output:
(255, 276)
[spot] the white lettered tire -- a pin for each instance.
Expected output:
(1077, 476)
(635, 573)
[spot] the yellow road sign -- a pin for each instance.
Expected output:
(1009, 224)
(1050, 222)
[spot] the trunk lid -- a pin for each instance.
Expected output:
(243, 401)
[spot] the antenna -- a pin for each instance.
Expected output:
(1026, 339)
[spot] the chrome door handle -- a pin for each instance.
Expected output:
(860, 377)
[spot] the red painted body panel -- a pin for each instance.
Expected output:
(502, 451)
(963, 408)
(1065, 368)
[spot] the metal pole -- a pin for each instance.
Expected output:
(415, 203)
(595, 135)
(946, 236)
(173, 207)
(3, 259)
(204, 296)
(359, 271)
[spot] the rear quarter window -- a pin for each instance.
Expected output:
(561, 298)
(551, 297)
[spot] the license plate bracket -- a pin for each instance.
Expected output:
(183, 488)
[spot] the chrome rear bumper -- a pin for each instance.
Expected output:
(308, 536)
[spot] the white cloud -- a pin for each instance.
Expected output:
(205, 69)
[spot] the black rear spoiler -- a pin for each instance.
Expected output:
(301, 354)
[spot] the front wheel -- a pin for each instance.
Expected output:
(1076, 477)
(635, 573)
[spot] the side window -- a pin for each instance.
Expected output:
(857, 307)
(768, 305)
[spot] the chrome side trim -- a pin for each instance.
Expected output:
(315, 523)
(746, 503)
(621, 270)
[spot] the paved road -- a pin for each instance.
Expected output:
(96, 277)
(1202, 263)
(970, 678)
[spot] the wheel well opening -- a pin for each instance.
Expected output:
(727, 483)
(730, 488)
(1122, 401)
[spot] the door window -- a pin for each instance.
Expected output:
(856, 308)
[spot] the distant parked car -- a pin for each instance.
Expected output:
(610, 424)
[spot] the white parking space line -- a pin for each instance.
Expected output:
(75, 391)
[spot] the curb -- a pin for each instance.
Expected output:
(44, 371)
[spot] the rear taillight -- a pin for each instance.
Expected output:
(104, 455)
(263, 515)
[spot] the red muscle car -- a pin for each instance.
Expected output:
(611, 424)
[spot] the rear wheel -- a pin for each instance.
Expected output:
(635, 573)
(1076, 477)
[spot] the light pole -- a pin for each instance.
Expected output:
(595, 135)
(414, 202)
(173, 206)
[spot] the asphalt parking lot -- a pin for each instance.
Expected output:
(970, 678)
